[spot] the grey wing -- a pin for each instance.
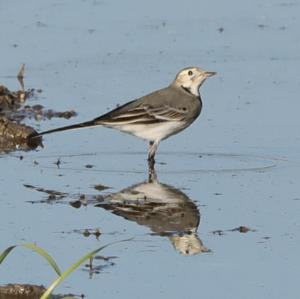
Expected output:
(144, 114)
(153, 108)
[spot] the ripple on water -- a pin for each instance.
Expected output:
(171, 162)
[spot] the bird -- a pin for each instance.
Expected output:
(155, 116)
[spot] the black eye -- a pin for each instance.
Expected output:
(190, 73)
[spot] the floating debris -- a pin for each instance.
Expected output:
(262, 26)
(242, 229)
(100, 187)
(76, 204)
(97, 269)
(89, 166)
(89, 232)
(20, 76)
(218, 232)
(52, 194)
(57, 163)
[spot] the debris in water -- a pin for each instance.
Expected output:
(242, 229)
(100, 187)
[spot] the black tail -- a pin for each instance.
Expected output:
(86, 124)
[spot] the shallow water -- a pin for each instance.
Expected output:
(237, 165)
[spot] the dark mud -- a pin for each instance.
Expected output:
(27, 291)
(14, 291)
(13, 100)
(14, 136)
(13, 113)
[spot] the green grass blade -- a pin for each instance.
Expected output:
(65, 274)
(45, 255)
(35, 249)
(5, 253)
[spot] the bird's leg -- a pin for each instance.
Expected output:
(152, 177)
(151, 170)
(151, 154)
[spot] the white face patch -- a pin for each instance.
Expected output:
(191, 79)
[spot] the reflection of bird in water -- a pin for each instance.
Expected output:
(167, 211)
(164, 209)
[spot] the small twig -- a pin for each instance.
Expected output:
(20, 76)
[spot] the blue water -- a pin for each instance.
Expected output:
(238, 164)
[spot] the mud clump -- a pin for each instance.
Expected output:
(11, 130)
(12, 100)
(11, 291)
(14, 136)
(28, 291)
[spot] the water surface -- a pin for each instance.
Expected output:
(237, 165)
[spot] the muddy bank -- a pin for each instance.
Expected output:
(13, 112)
(18, 291)
(27, 291)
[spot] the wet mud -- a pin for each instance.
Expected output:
(27, 291)
(18, 291)
(14, 134)
(12, 100)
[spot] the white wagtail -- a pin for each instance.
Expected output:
(156, 116)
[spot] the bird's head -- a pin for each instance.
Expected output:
(191, 78)
(188, 244)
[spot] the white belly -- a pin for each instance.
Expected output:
(153, 132)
